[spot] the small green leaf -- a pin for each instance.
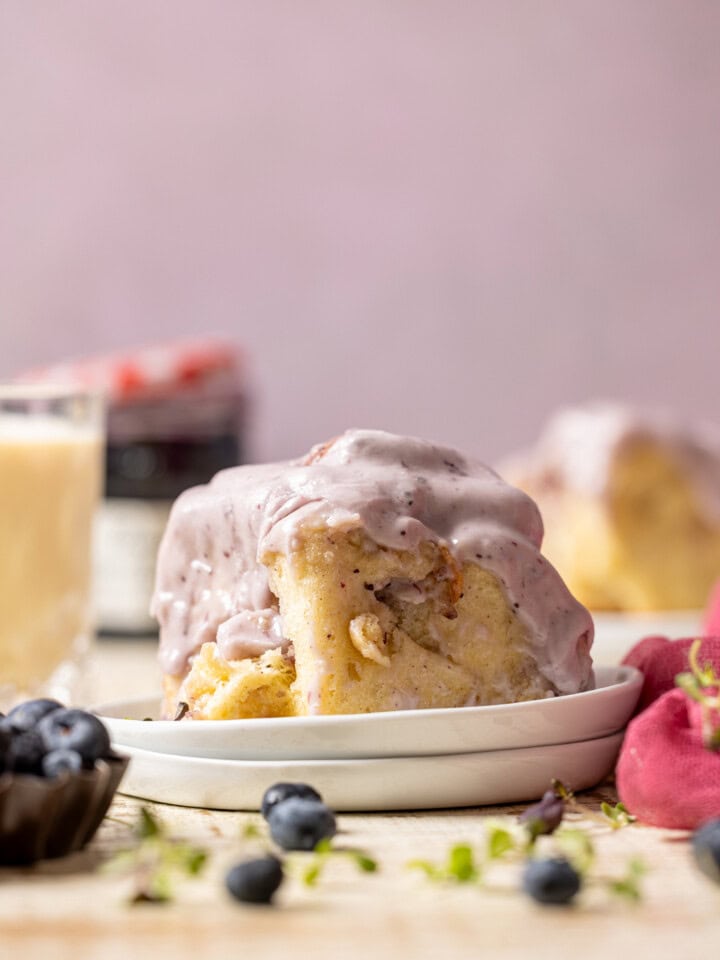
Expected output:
(364, 863)
(689, 684)
(429, 869)
(623, 888)
(195, 861)
(160, 886)
(701, 682)
(628, 886)
(182, 856)
(148, 825)
(312, 874)
(499, 842)
(324, 846)
(146, 896)
(321, 854)
(618, 816)
(251, 831)
(459, 868)
(535, 827)
(561, 790)
(461, 863)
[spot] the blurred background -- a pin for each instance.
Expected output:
(440, 218)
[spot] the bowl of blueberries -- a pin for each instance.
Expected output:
(58, 775)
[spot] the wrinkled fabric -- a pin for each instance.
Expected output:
(660, 660)
(665, 775)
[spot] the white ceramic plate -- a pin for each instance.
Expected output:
(404, 733)
(400, 783)
(617, 633)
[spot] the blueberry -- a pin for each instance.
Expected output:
(75, 730)
(551, 881)
(27, 715)
(300, 824)
(255, 881)
(26, 752)
(706, 849)
(58, 761)
(283, 791)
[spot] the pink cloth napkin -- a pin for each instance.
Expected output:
(665, 774)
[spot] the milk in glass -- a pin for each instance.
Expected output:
(50, 476)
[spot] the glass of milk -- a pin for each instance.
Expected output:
(51, 460)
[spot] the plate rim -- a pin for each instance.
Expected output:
(627, 677)
(239, 765)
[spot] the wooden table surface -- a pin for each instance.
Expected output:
(71, 908)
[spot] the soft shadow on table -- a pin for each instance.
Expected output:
(86, 861)
(589, 799)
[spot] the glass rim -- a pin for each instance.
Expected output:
(19, 390)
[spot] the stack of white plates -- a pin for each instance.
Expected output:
(405, 760)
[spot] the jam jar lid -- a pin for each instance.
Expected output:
(152, 371)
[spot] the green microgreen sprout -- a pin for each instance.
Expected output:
(614, 816)
(461, 866)
(577, 847)
(499, 841)
(628, 886)
(251, 831)
(618, 816)
(313, 868)
(309, 866)
(541, 829)
(702, 685)
(562, 790)
(157, 861)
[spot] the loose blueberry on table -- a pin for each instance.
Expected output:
(552, 881)
(300, 824)
(255, 881)
(706, 849)
(279, 792)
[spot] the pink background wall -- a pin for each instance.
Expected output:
(440, 217)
